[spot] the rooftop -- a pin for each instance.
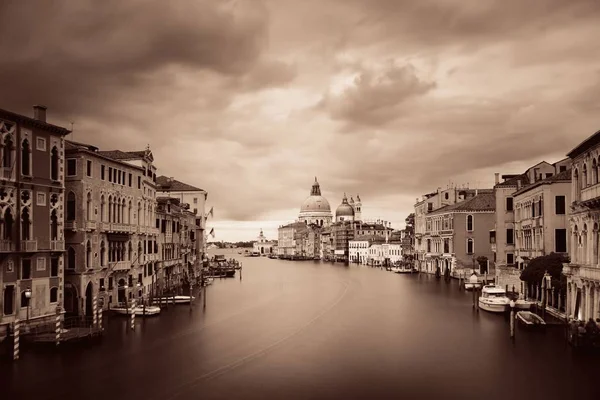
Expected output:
(11, 116)
(167, 184)
(485, 201)
(512, 182)
(127, 155)
(564, 176)
(587, 144)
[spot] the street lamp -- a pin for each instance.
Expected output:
(28, 297)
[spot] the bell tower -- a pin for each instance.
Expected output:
(357, 209)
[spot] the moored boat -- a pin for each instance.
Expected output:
(403, 270)
(138, 310)
(521, 304)
(174, 299)
(473, 282)
(530, 319)
(493, 299)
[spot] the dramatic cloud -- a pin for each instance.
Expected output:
(251, 99)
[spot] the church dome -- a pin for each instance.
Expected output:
(315, 202)
(344, 209)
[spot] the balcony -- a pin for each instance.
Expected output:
(7, 246)
(90, 225)
(29, 245)
(119, 265)
(591, 194)
(447, 232)
(153, 231)
(57, 245)
(6, 173)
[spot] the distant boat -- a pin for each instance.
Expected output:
(138, 310)
(530, 319)
(473, 282)
(178, 299)
(402, 270)
(255, 254)
(521, 304)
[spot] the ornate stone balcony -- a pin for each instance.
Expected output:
(57, 245)
(72, 225)
(590, 273)
(90, 225)
(591, 194)
(119, 265)
(7, 246)
(29, 245)
(6, 173)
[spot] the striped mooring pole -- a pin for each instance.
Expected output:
(16, 332)
(100, 312)
(95, 311)
(133, 314)
(58, 325)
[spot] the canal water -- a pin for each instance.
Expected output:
(311, 330)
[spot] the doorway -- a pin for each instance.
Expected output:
(89, 295)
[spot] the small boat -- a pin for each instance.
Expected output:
(255, 254)
(138, 310)
(178, 299)
(530, 319)
(473, 282)
(493, 299)
(403, 270)
(521, 304)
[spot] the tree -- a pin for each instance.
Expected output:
(537, 267)
(482, 262)
(410, 223)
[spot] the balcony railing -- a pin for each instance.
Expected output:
(119, 265)
(90, 225)
(70, 225)
(6, 173)
(153, 231)
(590, 192)
(28, 245)
(7, 246)
(57, 245)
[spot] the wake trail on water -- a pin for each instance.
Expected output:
(219, 371)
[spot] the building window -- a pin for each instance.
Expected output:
(25, 158)
(429, 245)
(139, 182)
(40, 144)
(510, 236)
(53, 295)
(429, 207)
(54, 164)
(510, 258)
(41, 199)
(469, 223)
(41, 264)
(53, 226)
(71, 206)
(509, 204)
(25, 268)
(470, 248)
(562, 168)
(54, 267)
(549, 174)
(102, 172)
(110, 174)
(89, 168)
(560, 240)
(560, 205)
(195, 200)
(130, 179)
(9, 298)
(10, 266)
(71, 167)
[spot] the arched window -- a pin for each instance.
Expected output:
(8, 224)
(71, 206)
(576, 183)
(110, 209)
(53, 226)
(139, 214)
(54, 164)
(7, 152)
(130, 252)
(71, 258)
(584, 176)
(594, 172)
(89, 207)
(470, 248)
(469, 223)
(25, 158)
(102, 254)
(123, 213)
(129, 213)
(102, 209)
(54, 295)
(25, 224)
(88, 255)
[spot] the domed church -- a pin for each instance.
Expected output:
(349, 210)
(315, 209)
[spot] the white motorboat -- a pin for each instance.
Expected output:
(530, 319)
(521, 304)
(395, 269)
(473, 282)
(174, 299)
(402, 270)
(493, 299)
(138, 310)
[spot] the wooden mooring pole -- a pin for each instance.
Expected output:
(16, 333)
(58, 325)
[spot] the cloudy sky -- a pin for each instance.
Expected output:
(250, 100)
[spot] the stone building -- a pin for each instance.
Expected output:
(31, 217)
(287, 235)
(457, 234)
(315, 208)
(503, 237)
(262, 245)
(583, 272)
(109, 226)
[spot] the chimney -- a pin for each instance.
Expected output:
(476, 191)
(39, 113)
(518, 184)
(497, 178)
